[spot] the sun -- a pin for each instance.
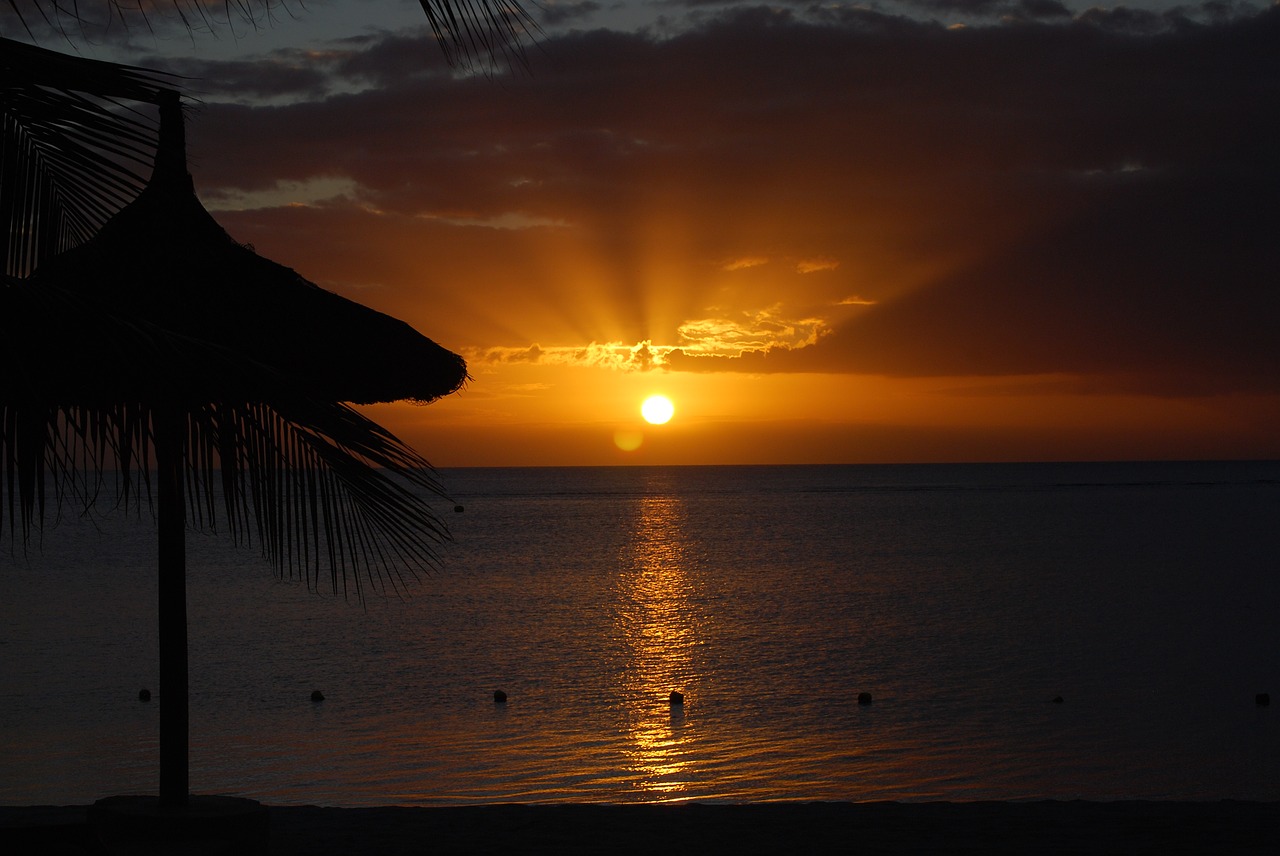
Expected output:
(657, 409)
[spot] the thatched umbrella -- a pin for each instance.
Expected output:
(165, 260)
(262, 363)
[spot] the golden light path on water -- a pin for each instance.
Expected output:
(656, 620)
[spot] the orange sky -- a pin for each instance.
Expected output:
(831, 235)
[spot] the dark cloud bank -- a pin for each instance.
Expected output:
(1097, 196)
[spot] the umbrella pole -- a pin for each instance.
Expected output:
(170, 433)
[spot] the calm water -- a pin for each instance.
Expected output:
(963, 598)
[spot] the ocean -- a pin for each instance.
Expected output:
(1025, 631)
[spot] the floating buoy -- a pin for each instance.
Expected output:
(457, 509)
(499, 697)
(1262, 699)
(1056, 699)
(144, 694)
(864, 698)
(316, 695)
(676, 697)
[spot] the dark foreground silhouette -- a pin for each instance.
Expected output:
(700, 829)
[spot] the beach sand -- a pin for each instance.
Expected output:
(704, 829)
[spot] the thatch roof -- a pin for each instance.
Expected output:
(164, 260)
(60, 349)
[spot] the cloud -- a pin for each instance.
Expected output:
(815, 265)
(762, 330)
(556, 12)
(616, 356)
(714, 336)
(1091, 196)
(314, 191)
(1009, 9)
(531, 354)
(744, 263)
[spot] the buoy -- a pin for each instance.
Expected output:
(457, 509)
(144, 694)
(677, 697)
(1262, 699)
(864, 698)
(499, 697)
(316, 695)
(1056, 699)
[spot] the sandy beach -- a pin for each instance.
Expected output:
(990, 827)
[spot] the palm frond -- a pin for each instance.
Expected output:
(324, 490)
(307, 493)
(74, 148)
(320, 489)
(466, 30)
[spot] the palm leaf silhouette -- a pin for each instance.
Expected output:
(72, 148)
(465, 30)
(320, 488)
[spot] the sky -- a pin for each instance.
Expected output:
(940, 230)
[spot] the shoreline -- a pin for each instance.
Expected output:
(712, 828)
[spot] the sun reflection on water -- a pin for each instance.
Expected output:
(659, 628)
